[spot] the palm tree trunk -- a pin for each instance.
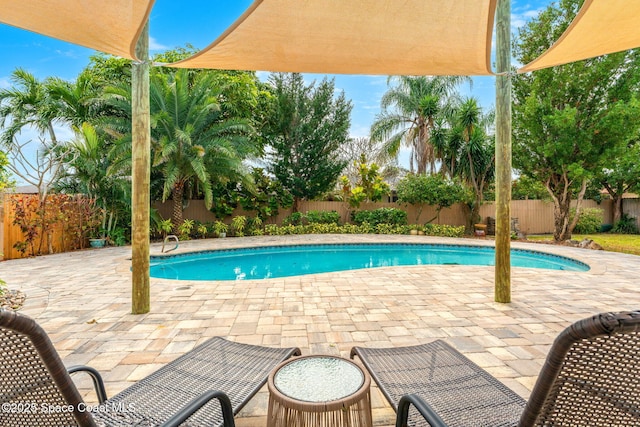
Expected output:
(176, 218)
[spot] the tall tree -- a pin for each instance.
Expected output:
(192, 145)
(569, 119)
(621, 174)
(363, 150)
(474, 149)
(88, 171)
(304, 131)
(76, 102)
(412, 111)
(27, 103)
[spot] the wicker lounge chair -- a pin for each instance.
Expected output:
(36, 388)
(591, 378)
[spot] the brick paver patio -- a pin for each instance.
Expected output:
(83, 300)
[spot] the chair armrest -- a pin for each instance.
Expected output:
(199, 402)
(98, 384)
(423, 408)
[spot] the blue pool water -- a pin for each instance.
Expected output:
(282, 261)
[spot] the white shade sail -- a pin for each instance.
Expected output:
(600, 27)
(110, 26)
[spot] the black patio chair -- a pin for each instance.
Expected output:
(591, 378)
(205, 387)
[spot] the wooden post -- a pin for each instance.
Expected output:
(140, 177)
(503, 153)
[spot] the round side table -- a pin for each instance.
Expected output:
(319, 391)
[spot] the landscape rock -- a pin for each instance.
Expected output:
(12, 300)
(596, 247)
(585, 243)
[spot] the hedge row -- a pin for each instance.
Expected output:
(364, 228)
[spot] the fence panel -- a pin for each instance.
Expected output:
(632, 208)
(62, 234)
(534, 216)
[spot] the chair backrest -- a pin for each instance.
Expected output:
(35, 387)
(591, 376)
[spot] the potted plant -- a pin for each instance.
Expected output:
(220, 228)
(98, 239)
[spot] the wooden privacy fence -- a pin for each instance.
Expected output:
(64, 230)
(534, 216)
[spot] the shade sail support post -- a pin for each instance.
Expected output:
(503, 153)
(140, 177)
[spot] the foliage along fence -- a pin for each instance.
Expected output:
(534, 216)
(66, 222)
(62, 228)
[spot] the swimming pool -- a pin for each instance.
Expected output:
(283, 261)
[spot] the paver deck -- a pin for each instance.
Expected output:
(83, 300)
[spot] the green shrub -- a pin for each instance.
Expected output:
(185, 229)
(238, 224)
(272, 230)
(443, 230)
(294, 219)
(219, 228)
(118, 237)
(323, 217)
(350, 229)
(589, 222)
(380, 216)
(364, 228)
(289, 229)
(254, 226)
(626, 225)
(391, 229)
(164, 227)
(320, 228)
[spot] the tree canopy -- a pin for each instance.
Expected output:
(304, 129)
(570, 120)
(413, 111)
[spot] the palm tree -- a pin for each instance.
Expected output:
(27, 104)
(193, 144)
(77, 102)
(89, 172)
(411, 113)
(470, 153)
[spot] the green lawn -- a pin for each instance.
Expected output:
(625, 243)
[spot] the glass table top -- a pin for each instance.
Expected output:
(319, 379)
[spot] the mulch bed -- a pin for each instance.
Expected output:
(12, 300)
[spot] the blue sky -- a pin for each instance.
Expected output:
(175, 24)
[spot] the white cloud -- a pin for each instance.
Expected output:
(521, 15)
(5, 83)
(359, 131)
(69, 53)
(155, 45)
